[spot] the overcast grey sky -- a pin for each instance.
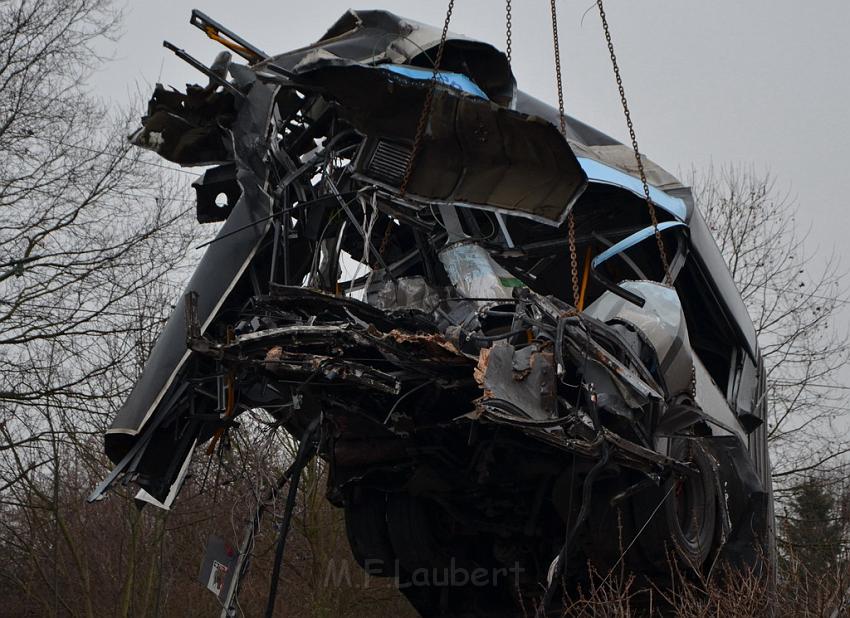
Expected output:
(760, 82)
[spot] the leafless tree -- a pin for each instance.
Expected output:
(94, 241)
(796, 298)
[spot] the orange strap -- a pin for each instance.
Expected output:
(584, 277)
(215, 36)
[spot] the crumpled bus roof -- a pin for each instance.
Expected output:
(376, 36)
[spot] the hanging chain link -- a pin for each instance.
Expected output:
(426, 107)
(386, 239)
(694, 382)
(668, 279)
(423, 121)
(508, 30)
(571, 238)
(571, 223)
(561, 118)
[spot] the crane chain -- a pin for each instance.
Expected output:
(571, 223)
(508, 25)
(668, 278)
(423, 121)
(426, 107)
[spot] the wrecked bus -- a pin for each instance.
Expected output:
(400, 300)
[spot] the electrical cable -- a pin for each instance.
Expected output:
(306, 450)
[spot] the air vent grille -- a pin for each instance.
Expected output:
(388, 163)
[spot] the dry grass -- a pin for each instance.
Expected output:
(115, 561)
(799, 592)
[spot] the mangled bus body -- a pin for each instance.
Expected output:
(400, 292)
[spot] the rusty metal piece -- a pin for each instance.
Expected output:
(435, 344)
(523, 379)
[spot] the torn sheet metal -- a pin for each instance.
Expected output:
(378, 37)
(473, 152)
(523, 379)
(185, 128)
(226, 259)
(175, 488)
